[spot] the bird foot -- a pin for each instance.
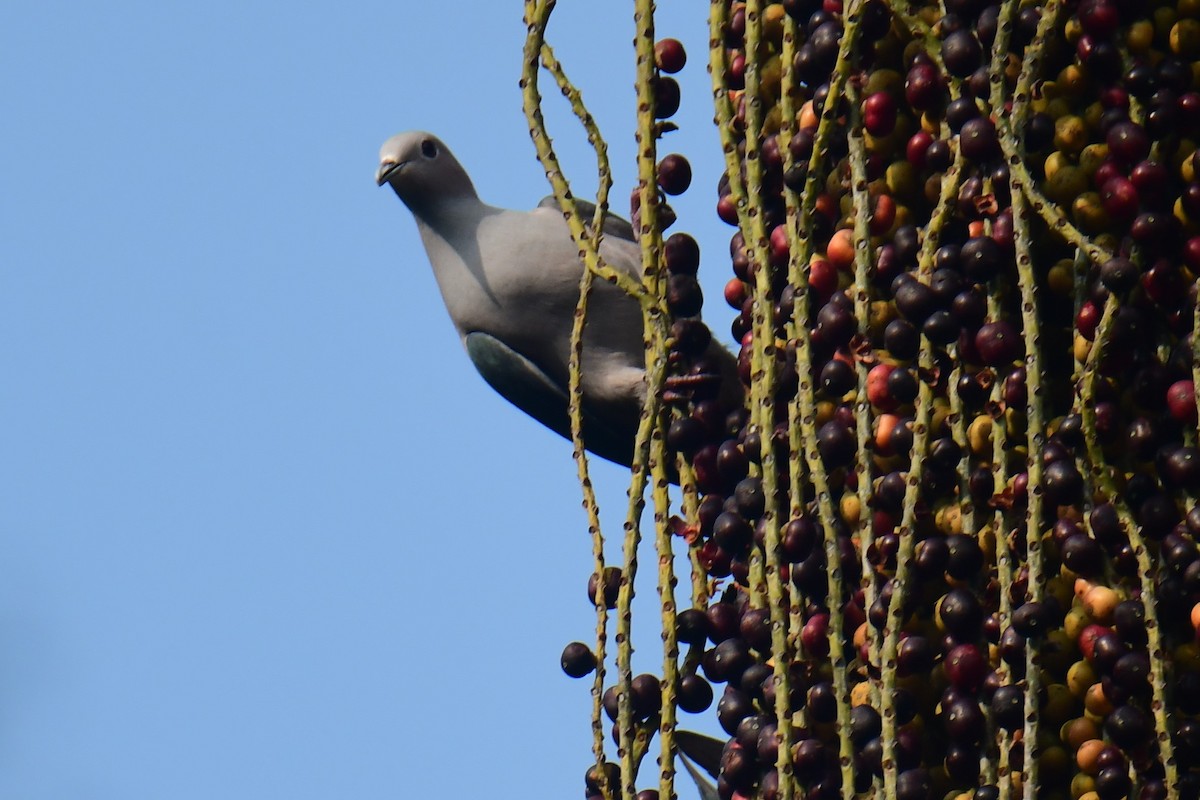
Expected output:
(682, 388)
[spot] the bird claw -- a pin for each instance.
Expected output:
(681, 528)
(681, 388)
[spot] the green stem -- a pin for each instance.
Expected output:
(763, 385)
(802, 414)
(537, 17)
(1147, 568)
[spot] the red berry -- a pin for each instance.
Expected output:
(878, 392)
(879, 114)
(1150, 178)
(779, 245)
(883, 215)
(1115, 97)
(727, 210)
(1120, 198)
(737, 71)
(922, 86)
(1190, 200)
(965, 667)
(1105, 173)
(1191, 252)
(1087, 320)
(1099, 18)
(670, 55)
(815, 635)
(1088, 637)
(1188, 106)
(1163, 284)
(1181, 401)
(822, 279)
(917, 147)
(666, 98)
(735, 293)
(1128, 141)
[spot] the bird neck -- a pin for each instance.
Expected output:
(448, 219)
(445, 212)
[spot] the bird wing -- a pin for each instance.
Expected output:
(613, 224)
(525, 385)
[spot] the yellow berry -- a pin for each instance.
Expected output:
(979, 435)
(1080, 678)
(1072, 30)
(1072, 80)
(1164, 20)
(772, 19)
(902, 180)
(1082, 348)
(1067, 184)
(1054, 162)
(1061, 278)
(1088, 212)
(1092, 156)
(860, 695)
(1076, 620)
(1070, 134)
(851, 510)
(1054, 764)
(1060, 704)
(1140, 37)
(1185, 38)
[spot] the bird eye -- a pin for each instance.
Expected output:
(429, 149)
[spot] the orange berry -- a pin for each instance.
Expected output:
(840, 250)
(1087, 754)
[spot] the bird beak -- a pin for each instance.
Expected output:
(386, 170)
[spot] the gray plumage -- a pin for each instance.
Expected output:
(510, 280)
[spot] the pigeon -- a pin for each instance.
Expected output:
(510, 280)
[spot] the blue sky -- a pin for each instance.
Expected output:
(263, 530)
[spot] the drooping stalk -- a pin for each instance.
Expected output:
(763, 386)
(537, 16)
(802, 413)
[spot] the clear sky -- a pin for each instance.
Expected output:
(263, 530)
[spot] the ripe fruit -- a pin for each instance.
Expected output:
(1181, 401)
(998, 343)
(674, 174)
(670, 55)
(879, 114)
(578, 660)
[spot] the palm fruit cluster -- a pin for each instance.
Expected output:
(951, 538)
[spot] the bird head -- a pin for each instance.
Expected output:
(421, 170)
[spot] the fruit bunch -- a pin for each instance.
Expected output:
(948, 547)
